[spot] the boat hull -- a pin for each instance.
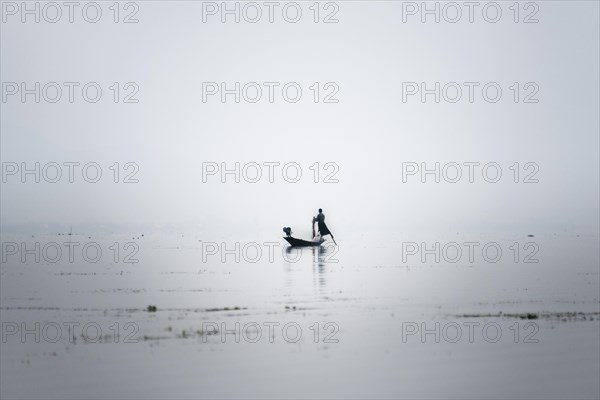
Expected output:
(302, 243)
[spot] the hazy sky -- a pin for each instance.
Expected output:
(368, 134)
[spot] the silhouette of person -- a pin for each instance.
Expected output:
(320, 220)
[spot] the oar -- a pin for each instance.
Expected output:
(332, 238)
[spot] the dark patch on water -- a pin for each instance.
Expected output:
(546, 315)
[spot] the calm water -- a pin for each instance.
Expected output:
(328, 322)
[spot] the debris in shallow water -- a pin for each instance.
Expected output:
(531, 316)
(546, 315)
(151, 308)
(226, 309)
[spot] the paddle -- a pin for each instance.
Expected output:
(329, 230)
(332, 237)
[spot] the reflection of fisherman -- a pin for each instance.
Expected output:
(320, 220)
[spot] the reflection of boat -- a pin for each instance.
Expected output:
(302, 243)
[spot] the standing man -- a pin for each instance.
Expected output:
(320, 220)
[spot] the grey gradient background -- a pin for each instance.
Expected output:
(369, 133)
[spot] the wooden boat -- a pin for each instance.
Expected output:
(302, 243)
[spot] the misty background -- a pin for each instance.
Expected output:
(369, 133)
(543, 277)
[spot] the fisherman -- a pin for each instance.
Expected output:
(320, 220)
